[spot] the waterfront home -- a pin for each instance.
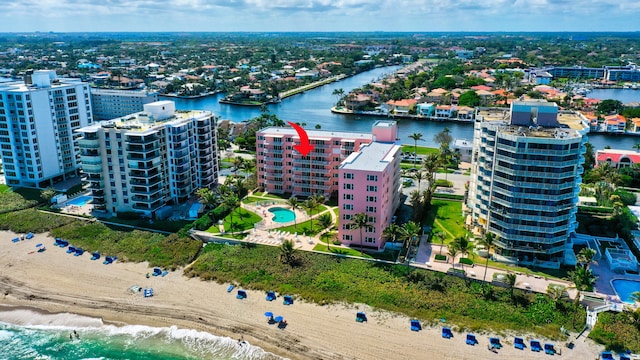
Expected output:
(465, 113)
(356, 101)
(617, 158)
(402, 107)
(426, 109)
(635, 125)
(615, 123)
(445, 111)
(436, 95)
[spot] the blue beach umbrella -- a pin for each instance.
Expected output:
(268, 314)
(278, 318)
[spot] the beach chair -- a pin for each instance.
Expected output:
(156, 271)
(79, 252)
(108, 260)
(606, 355)
(15, 240)
(535, 345)
(624, 357)
(71, 249)
(446, 333)
(148, 292)
(57, 242)
(549, 349)
(95, 255)
(29, 236)
(241, 294)
(271, 295)
(471, 339)
(495, 343)
(288, 300)
(361, 317)
(518, 343)
(230, 288)
(164, 273)
(63, 243)
(415, 325)
(42, 249)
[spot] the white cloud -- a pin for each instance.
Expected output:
(318, 15)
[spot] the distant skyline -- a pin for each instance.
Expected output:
(318, 15)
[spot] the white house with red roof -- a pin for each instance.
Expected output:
(617, 158)
(615, 123)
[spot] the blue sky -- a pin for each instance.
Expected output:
(319, 15)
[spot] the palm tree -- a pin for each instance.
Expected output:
(295, 205)
(419, 176)
(339, 93)
(288, 252)
(510, 280)
(392, 232)
(583, 280)
(453, 253)
(325, 221)
(410, 233)
(441, 236)
(555, 292)
(231, 202)
(207, 196)
(585, 256)
(463, 245)
(360, 221)
(310, 204)
(415, 137)
(637, 147)
(488, 241)
(635, 296)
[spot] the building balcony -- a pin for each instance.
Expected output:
(149, 139)
(144, 156)
(91, 168)
(143, 173)
(89, 144)
(143, 147)
(91, 160)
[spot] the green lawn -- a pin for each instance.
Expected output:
(162, 225)
(242, 220)
(4, 188)
(251, 199)
(273, 196)
(303, 228)
(446, 216)
(420, 150)
(340, 250)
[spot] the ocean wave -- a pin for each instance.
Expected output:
(26, 317)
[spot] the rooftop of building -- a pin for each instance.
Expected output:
(148, 120)
(570, 123)
(371, 157)
(137, 92)
(21, 86)
(315, 134)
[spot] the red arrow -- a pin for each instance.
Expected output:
(304, 148)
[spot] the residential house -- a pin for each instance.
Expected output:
(401, 107)
(426, 109)
(635, 125)
(445, 111)
(617, 158)
(615, 123)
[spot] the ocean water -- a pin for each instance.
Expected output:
(30, 335)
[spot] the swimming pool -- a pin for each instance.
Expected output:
(282, 215)
(624, 288)
(79, 201)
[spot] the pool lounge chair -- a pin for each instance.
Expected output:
(361, 317)
(241, 294)
(606, 355)
(71, 250)
(109, 259)
(230, 288)
(518, 343)
(148, 292)
(446, 333)
(415, 325)
(288, 300)
(495, 343)
(535, 345)
(156, 271)
(271, 295)
(471, 339)
(624, 357)
(29, 236)
(63, 243)
(79, 252)
(95, 255)
(549, 349)
(15, 240)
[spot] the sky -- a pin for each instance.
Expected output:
(318, 15)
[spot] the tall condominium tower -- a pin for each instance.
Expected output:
(526, 171)
(144, 161)
(109, 103)
(38, 117)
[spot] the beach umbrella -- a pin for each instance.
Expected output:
(268, 314)
(38, 245)
(278, 318)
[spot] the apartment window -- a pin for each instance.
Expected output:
(347, 206)
(372, 198)
(371, 209)
(347, 216)
(347, 196)
(346, 237)
(372, 188)
(372, 177)
(370, 229)
(348, 176)
(348, 186)
(370, 240)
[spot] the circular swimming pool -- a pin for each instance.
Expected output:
(282, 215)
(624, 288)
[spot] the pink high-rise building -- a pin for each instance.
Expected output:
(371, 159)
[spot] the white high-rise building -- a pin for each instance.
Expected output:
(144, 161)
(109, 104)
(525, 177)
(38, 117)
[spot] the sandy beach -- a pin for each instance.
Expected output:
(59, 282)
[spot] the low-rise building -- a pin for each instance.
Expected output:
(617, 158)
(111, 103)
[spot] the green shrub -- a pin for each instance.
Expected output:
(448, 196)
(627, 197)
(128, 215)
(203, 223)
(616, 332)
(440, 257)
(32, 220)
(466, 261)
(12, 201)
(444, 183)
